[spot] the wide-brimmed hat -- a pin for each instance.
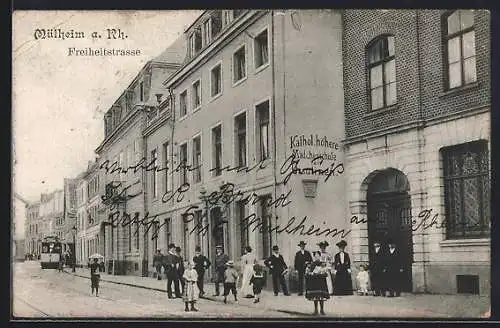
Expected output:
(302, 243)
(342, 243)
(323, 244)
(391, 242)
(275, 248)
(197, 249)
(229, 263)
(218, 247)
(171, 246)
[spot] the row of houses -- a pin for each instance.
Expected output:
(267, 127)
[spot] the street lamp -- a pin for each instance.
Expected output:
(73, 230)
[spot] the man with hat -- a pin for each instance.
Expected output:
(278, 268)
(170, 264)
(201, 263)
(302, 257)
(393, 269)
(220, 266)
(158, 262)
(342, 269)
(377, 268)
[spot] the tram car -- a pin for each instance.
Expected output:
(51, 253)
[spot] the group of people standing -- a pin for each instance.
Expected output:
(322, 274)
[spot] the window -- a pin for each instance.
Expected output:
(197, 159)
(467, 190)
(168, 231)
(183, 163)
(137, 233)
(239, 65)
(265, 215)
(241, 140)
(129, 231)
(227, 17)
(137, 150)
(154, 176)
(199, 230)
(261, 49)
(460, 47)
(196, 94)
(195, 42)
(237, 13)
(217, 150)
(155, 235)
(141, 91)
(216, 81)
(166, 161)
(207, 32)
(185, 235)
(183, 104)
(382, 72)
(244, 231)
(216, 22)
(263, 130)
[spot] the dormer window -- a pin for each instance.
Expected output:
(195, 42)
(216, 22)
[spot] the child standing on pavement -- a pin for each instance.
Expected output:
(230, 281)
(257, 281)
(94, 277)
(363, 279)
(191, 291)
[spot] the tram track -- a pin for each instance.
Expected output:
(43, 313)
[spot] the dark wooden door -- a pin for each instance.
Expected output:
(389, 218)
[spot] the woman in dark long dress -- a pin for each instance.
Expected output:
(342, 269)
(316, 282)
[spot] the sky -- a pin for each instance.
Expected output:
(59, 100)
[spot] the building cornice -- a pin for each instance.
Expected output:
(118, 130)
(419, 124)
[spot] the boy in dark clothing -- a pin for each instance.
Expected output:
(94, 277)
(257, 281)
(230, 281)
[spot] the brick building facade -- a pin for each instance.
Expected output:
(417, 104)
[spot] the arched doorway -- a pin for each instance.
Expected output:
(389, 217)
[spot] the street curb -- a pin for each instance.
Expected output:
(213, 299)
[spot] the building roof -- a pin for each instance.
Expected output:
(175, 53)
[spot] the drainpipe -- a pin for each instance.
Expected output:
(419, 131)
(273, 108)
(145, 259)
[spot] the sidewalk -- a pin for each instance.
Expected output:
(406, 306)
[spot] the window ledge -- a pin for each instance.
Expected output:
(381, 111)
(465, 242)
(213, 98)
(459, 90)
(240, 81)
(261, 67)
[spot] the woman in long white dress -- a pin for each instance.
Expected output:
(247, 261)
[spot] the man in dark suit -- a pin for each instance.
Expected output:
(302, 257)
(393, 270)
(157, 262)
(220, 266)
(180, 268)
(170, 265)
(376, 269)
(278, 268)
(201, 263)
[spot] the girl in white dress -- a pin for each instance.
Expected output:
(191, 291)
(326, 258)
(247, 261)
